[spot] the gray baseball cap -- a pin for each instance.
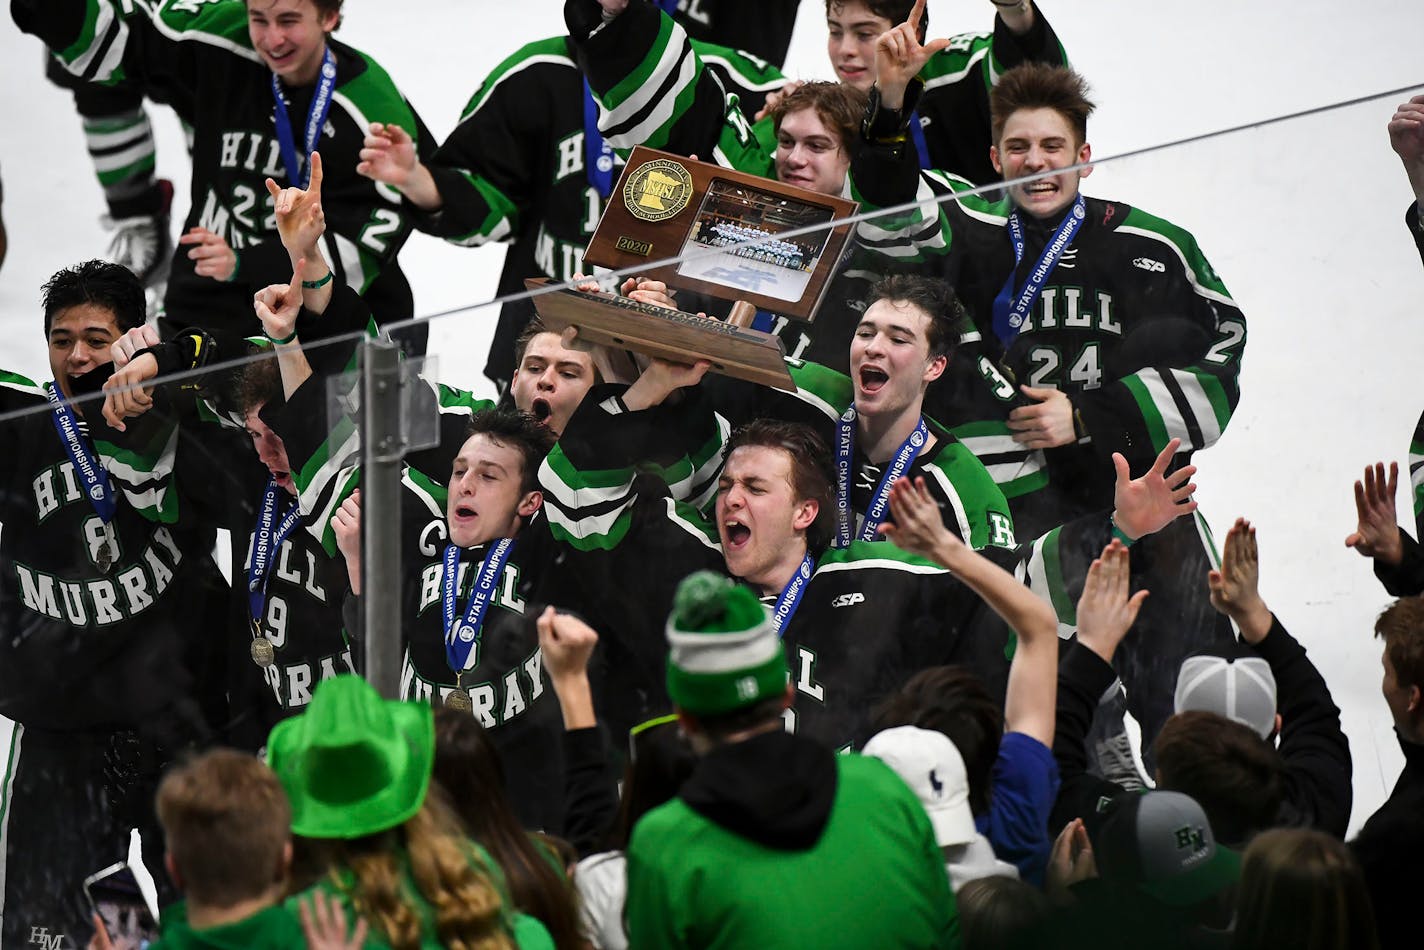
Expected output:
(1162, 844)
(1241, 689)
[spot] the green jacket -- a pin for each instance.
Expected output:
(693, 883)
(274, 928)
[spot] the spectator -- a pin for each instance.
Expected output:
(933, 768)
(357, 770)
(1389, 845)
(1163, 880)
(1302, 889)
(228, 829)
(774, 837)
(468, 767)
(1245, 784)
(1002, 913)
(1399, 562)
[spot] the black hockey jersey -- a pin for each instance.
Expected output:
(200, 59)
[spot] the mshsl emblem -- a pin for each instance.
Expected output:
(657, 190)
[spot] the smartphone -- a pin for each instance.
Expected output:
(128, 918)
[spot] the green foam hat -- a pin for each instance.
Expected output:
(353, 764)
(723, 652)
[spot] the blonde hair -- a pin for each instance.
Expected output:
(448, 873)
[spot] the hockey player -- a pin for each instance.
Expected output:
(119, 137)
(262, 84)
(949, 125)
(1117, 331)
(97, 604)
(857, 621)
(874, 417)
(526, 164)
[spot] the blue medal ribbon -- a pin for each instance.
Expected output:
(879, 502)
(81, 455)
(461, 638)
(1011, 309)
(790, 597)
(267, 537)
(597, 154)
(917, 135)
(297, 174)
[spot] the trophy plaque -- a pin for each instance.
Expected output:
(723, 232)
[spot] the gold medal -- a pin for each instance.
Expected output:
(459, 700)
(263, 653)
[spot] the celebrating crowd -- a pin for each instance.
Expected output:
(685, 661)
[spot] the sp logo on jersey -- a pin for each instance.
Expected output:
(1149, 265)
(848, 600)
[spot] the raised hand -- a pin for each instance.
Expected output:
(1406, 137)
(1235, 586)
(139, 338)
(300, 220)
(1107, 607)
(900, 55)
(1377, 533)
(919, 526)
(649, 291)
(566, 643)
(1070, 861)
(1047, 424)
(1148, 504)
(324, 924)
(387, 155)
(346, 525)
(660, 379)
(278, 306)
(211, 254)
(773, 99)
(124, 396)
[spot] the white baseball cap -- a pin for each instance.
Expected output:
(1241, 689)
(930, 764)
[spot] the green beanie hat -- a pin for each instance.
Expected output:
(723, 653)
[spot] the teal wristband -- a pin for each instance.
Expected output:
(293, 335)
(1117, 532)
(317, 284)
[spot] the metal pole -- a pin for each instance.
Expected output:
(381, 456)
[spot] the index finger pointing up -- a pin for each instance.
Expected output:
(314, 185)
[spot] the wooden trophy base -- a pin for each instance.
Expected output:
(624, 323)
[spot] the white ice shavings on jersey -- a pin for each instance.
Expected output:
(1191, 274)
(529, 63)
(202, 36)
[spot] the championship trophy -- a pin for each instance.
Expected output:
(728, 225)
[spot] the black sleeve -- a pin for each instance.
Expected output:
(1314, 747)
(1416, 228)
(760, 27)
(590, 789)
(1406, 578)
(1083, 677)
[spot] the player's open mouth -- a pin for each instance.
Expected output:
(282, 478)
(464, 511)
(738, 534)
(1040, 188)
(851, 73)
(541, 410)
(872, 379)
